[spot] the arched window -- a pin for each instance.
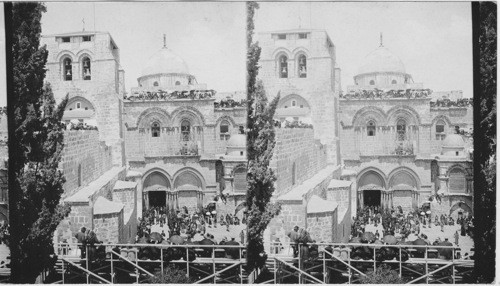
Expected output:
(86, 68)
(155, 129)
(78, 105)
(440, 135)
(302, 66)
(283, 64)
(370, 128)
(394, 81)
(68, 69)
(457, 181)
(155, 83)
(372, 82)
(224, 130)
(185, 130)
(294, 103)
(401, 129)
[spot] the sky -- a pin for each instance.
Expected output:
(433, 39)
(210, 37)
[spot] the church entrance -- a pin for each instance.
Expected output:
(157, 198)
(371, 198)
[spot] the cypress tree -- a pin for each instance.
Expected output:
(260, 147)
(35, 147)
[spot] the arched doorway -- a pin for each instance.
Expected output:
(371, 184)
(460, 208)
(155, 188)
(188, 189)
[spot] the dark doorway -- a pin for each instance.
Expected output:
(371, 198)
(157, 199)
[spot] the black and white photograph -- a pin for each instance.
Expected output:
(248, 142)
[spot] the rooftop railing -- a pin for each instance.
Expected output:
(386, 94)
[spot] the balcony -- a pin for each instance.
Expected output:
(138, 94)
(403, 148)
(188, 148)
(386, 94)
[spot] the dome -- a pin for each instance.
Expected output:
(165, 62)
(381, 60)
(238, 141)
(453, 140)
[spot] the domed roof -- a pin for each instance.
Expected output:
(381, 60)
(453, 140)
(165, 62)
(238, 141)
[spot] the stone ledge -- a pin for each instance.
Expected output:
(319, 205)
(298, 192)
(122, 185)
(103, 206)
(84, 194)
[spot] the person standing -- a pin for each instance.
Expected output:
(456, 235)
(81, 239)
(294, 236)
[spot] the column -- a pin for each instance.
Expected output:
(359, 199)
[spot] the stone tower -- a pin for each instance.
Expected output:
(86, 67)
(301, 66)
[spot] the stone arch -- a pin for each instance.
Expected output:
(403, 112)
(460, 167)
(81, 99)
(300, 51)
(369, 113)
(83, 53)
(66, 53)
(241, 207)
(292, 96)
(187, 112)
(282, 51)
(371, 176)
(188, 175)
(404, 175)
(152, 114)
(460, 205)
(443, 118)
(156, 176)
(227, 118)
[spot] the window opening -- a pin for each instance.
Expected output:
(185, 130)
(68, 69)
(302, 35)
(78, 105)
(302, 66)
(281, 36)
(155, 129)
(371, 129)
(283, 67)
(401, 130)
(86, 68)
(66, 39)
(372, 82)
(86, 38)
(224, 130)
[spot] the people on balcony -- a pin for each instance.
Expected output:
(167, 95)
(462, 102)
(383, 94)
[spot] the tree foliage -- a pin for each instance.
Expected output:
(383, 275)
(35, 150)
(485, 141)
(171, 275)
(260, 146)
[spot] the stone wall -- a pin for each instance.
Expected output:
(84, 159)
(109, 227)
(292, 214)
(296, 146)
(81, 215)
(321, 226)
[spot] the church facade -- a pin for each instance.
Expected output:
(394, 137)
(384, 141)
(171, 142)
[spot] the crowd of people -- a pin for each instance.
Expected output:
(79, 126)
(230, 103)
(462, 102)
(189, 226)
(170, 95)
(382, 94)
(4, 233)
(406, 227)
